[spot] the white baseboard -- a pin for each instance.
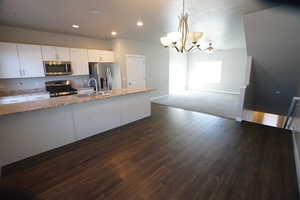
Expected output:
(297, 161)
(216, 91)
(158, 97)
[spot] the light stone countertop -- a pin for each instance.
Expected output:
(6, 109)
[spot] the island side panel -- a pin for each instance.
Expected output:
(27, 134)
(135, 107)
(95, 117)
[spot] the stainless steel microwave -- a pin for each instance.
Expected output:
(56, 68)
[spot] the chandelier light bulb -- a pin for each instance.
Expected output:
(173, 37)
(165, 41)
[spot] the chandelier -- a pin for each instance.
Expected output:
(183, 40)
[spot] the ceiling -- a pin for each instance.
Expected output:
(221, 20)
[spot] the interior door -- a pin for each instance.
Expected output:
(136, 71)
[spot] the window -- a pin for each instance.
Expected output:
(203, 73)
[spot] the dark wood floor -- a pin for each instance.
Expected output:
(175, 154)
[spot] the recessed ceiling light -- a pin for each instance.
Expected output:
(140, 23)
(114, 33)
(96, 11)
(75, 26)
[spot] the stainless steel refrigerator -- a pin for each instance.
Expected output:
(106, 74)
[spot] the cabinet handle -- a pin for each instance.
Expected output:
(20, 72)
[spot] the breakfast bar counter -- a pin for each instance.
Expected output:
(6, 109)
(31, 128)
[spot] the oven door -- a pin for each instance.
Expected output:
(57, 68)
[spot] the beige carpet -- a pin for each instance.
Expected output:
(220, 104)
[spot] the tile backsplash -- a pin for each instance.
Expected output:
(39, 83)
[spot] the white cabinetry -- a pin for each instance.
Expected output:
(31, 60)
(100, 56)
(51, 53)
(9, 61)
(107, 56)
(79, 59)
(20, 61)
(63, 54)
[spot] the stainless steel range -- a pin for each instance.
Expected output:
(60, 88)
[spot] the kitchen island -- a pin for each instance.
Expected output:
(31, 128)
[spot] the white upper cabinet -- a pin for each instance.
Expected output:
(94, 55)
(9, 61)
(31, 60)
(48, 53)
(107, 56)
(51, 53)
(100, 56)
(79, 60)
(63, 54)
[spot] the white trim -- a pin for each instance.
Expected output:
(297, 161)
(238, 119)
(217, 91)
(158, 97)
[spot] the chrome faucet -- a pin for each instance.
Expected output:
(96, 83)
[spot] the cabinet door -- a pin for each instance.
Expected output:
(62, 54)
(94, 55)
(31, 60)
(79, 59)
(107, 56)
(49, 53)
(9, 61)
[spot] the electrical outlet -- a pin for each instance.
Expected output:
(20, 83)
(277, 92)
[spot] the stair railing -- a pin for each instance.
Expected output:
(291, 111)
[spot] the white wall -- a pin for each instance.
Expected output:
(157, 63)
(234, 68)
(177, 72)
(272, 38)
